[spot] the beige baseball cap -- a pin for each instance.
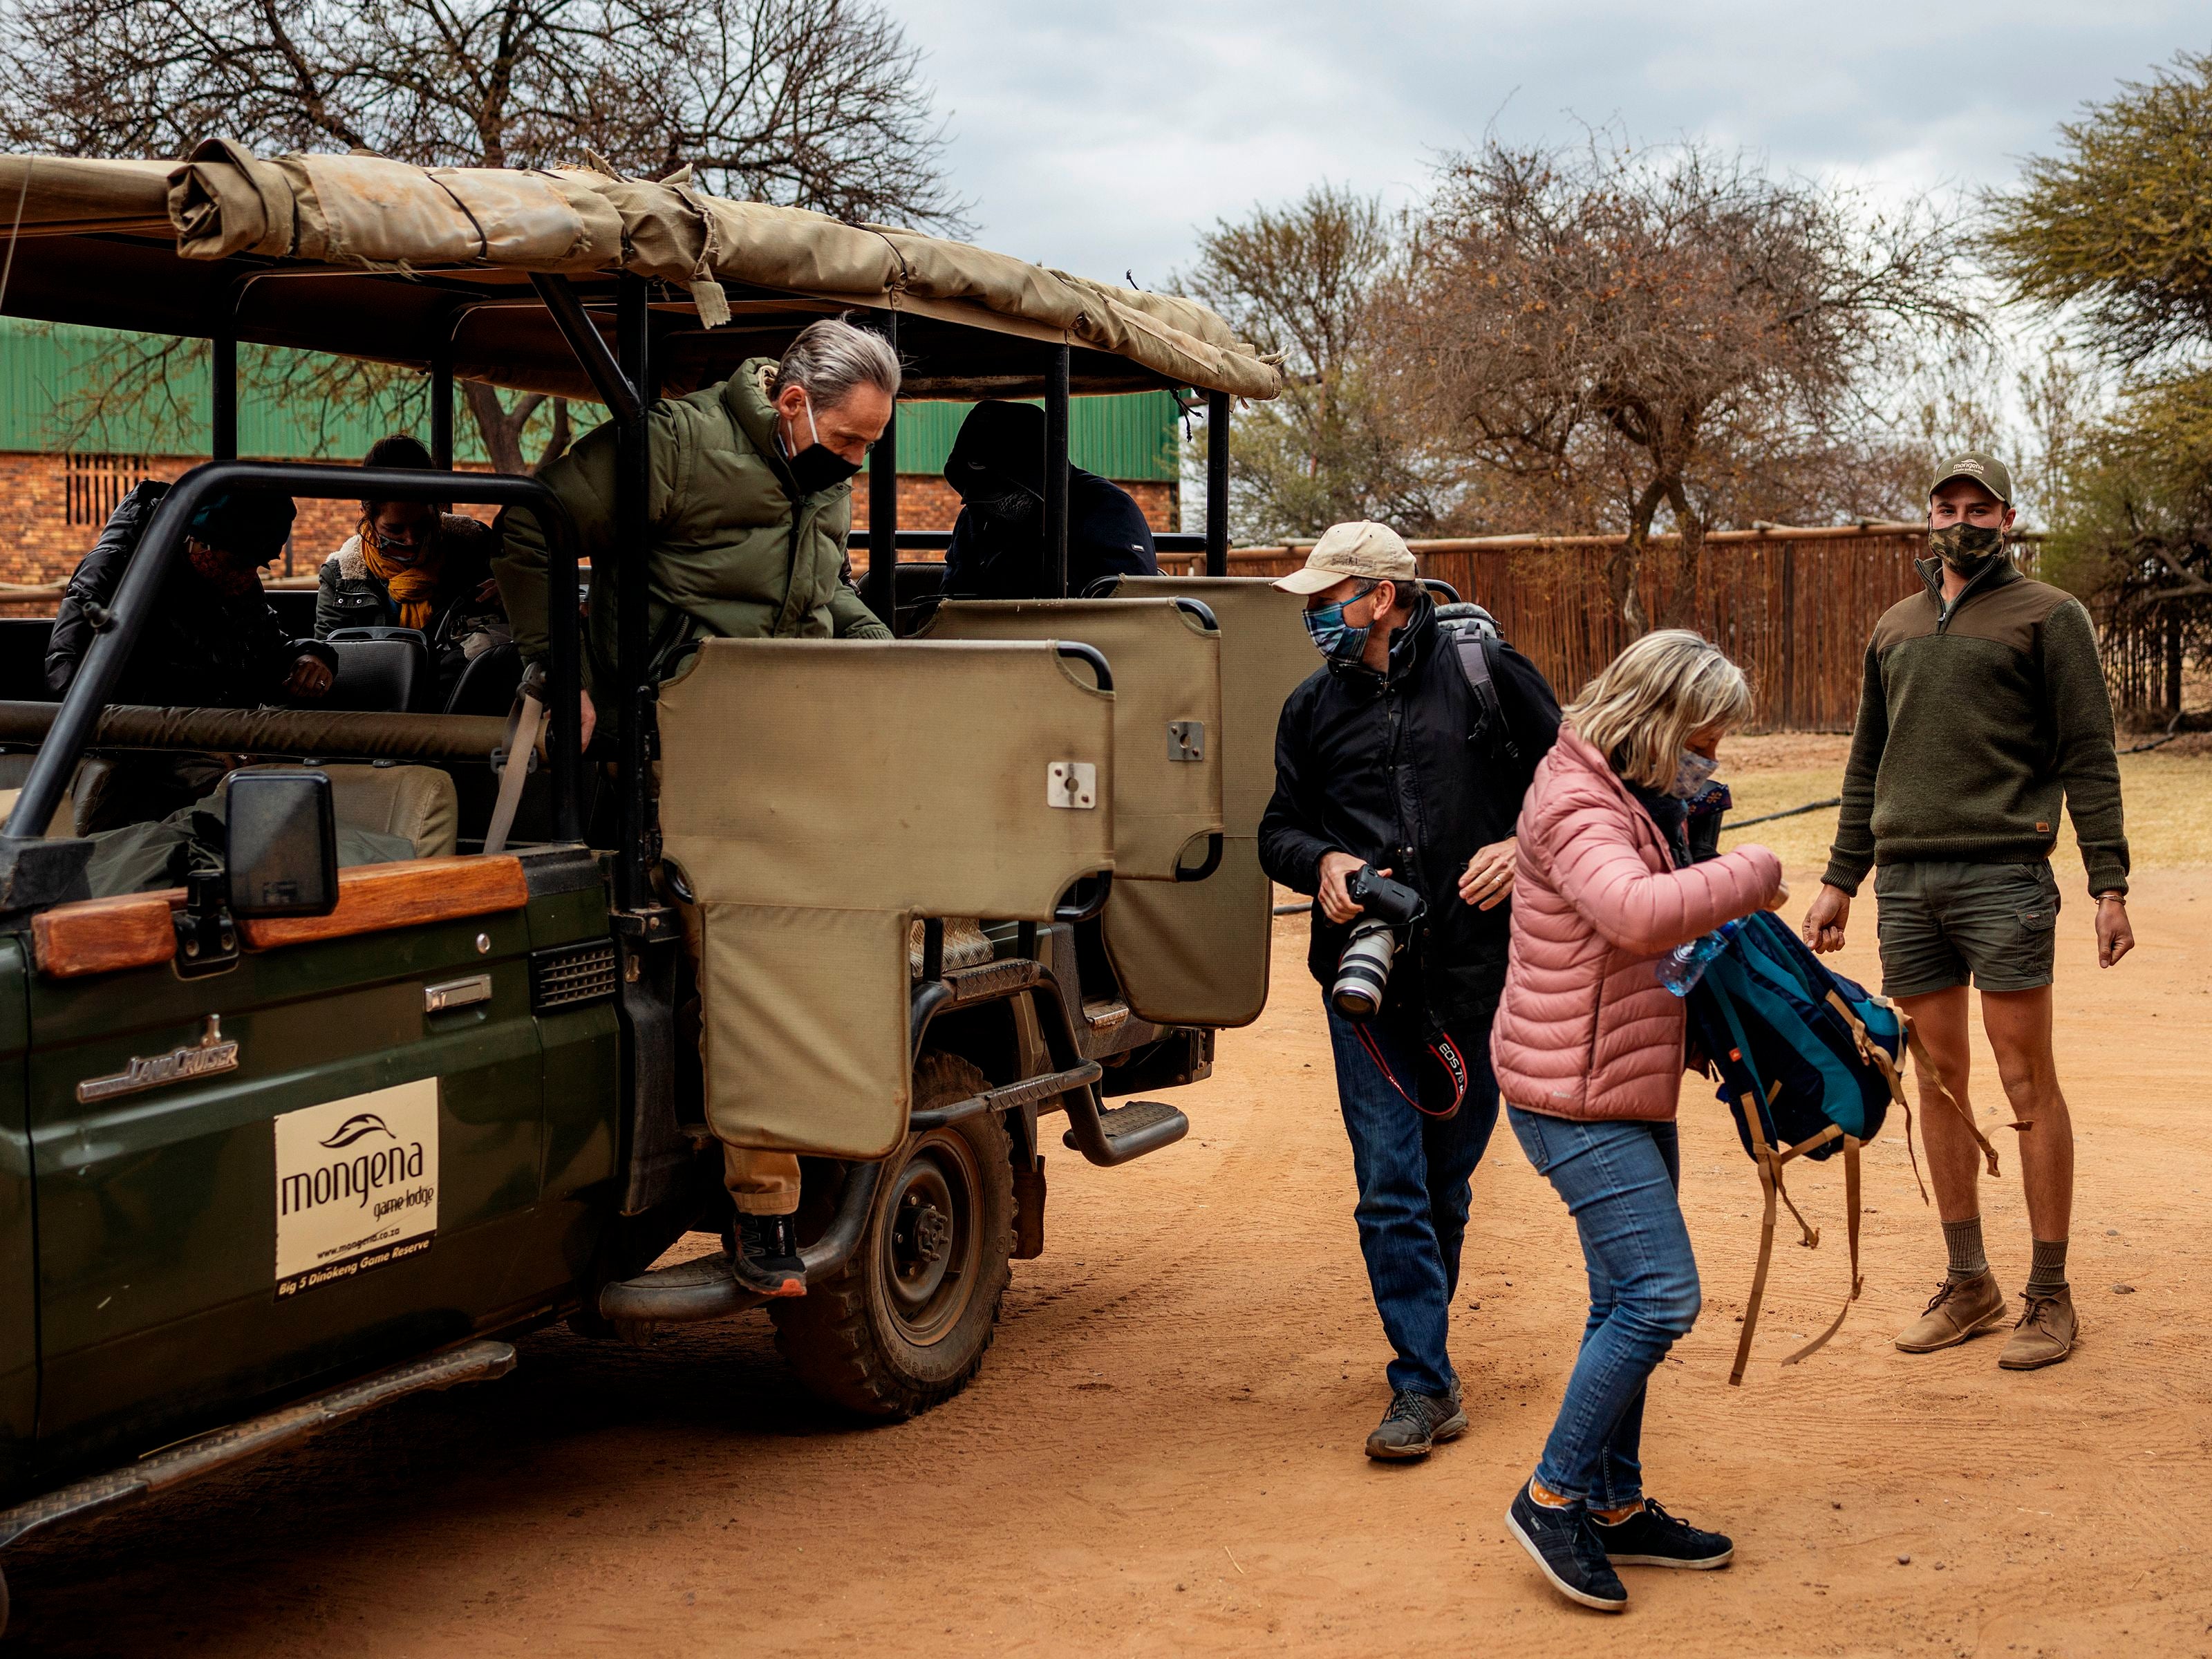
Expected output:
(1373, 552)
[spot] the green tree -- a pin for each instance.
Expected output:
(2114, 233)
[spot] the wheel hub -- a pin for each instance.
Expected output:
(929, 1239)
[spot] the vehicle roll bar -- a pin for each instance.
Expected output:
(77, 720)
(335, 733)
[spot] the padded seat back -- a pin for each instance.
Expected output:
(815, 798)
(391, 675)
(487, 683)
(418, 802)
(1197, 952)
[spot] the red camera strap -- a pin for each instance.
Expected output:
(1447, 1055)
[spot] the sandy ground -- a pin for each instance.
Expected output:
(1162, 1455)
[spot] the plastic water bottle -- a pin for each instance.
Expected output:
(1681, 968)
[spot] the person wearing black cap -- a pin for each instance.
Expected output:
(1984, 705)
(212, 641)
(997, 552)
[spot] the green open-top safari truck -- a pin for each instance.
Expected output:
(291, 1141)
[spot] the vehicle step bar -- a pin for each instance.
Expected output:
(1033, 1091)
(1115, 1134)
(227, 1448)
(690, 1292)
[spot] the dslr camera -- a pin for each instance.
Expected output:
(1363, 972)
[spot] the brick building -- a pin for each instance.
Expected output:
(61, 476)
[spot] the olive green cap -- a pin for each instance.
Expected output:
(1987, 470)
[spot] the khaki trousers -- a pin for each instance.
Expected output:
(760, 1181)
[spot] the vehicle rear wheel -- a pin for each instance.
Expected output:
(905, 1325)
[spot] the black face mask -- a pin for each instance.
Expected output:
(1016, 508)
(817, 467)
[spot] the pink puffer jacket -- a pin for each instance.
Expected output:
(1585, 1030)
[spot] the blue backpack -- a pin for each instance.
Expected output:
(1809, 1063)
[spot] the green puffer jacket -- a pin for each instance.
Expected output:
(736, 550)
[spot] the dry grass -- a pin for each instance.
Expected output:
(2168, 791)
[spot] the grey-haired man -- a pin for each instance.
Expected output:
(750, 503)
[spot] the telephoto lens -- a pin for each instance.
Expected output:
(1363, 970)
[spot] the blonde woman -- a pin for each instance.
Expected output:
(1587, 1051)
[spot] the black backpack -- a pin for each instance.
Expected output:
(1471, 631)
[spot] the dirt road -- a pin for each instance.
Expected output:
(1163, 1452)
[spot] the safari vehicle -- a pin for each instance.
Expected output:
(290, 1141)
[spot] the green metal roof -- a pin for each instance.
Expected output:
(47, 371)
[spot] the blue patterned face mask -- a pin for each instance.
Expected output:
(1336, 639)
(1690, 773)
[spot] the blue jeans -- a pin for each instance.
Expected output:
(1620, 1180)
(1412, 1172)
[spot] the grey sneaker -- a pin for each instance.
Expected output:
(1414, 1427)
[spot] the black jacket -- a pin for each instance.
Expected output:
(201, 648)
(1397, 770)
(1107, 536)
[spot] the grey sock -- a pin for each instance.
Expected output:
(1964, 1241)
(2049, 1272)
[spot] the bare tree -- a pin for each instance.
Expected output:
(809, 103)
(1622, 332)
(1303, 281)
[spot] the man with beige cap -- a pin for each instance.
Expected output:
(1405, 756)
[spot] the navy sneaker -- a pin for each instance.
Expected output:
(1566, 1549)
(1653, 1538)
(1414, 1425)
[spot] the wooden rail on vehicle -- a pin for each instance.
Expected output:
(106, 935)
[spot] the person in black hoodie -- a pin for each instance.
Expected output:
(1388, 756)
(211, 641)
(997, 551)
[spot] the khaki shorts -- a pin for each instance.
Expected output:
(1942, 921)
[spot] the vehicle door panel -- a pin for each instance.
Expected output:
(158, 1209)
(19, 1293)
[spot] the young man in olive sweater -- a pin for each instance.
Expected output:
(1983, 704)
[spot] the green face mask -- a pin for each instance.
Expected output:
(1968, 549)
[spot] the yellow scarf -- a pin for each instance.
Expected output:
(413, 585)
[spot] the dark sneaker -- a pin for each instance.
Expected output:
(1653, 1538)
(2047, 1333)
(766, 1260)
(1566, 1548)
(1413, 1425)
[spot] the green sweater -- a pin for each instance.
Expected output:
(736, 550)
(1972, 724)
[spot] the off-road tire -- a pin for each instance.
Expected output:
(850, 1338)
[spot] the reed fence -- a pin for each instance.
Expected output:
(1793, 606)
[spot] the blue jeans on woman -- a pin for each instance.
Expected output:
(1620, 1180)
(1412, 1172)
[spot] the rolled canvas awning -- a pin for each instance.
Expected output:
(375, 258)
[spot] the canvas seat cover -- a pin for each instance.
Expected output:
(1197, 953)
(816, 797)
(1166, 665)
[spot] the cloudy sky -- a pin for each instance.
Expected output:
(1095, 137)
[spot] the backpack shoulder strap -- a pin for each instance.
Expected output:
(1473, 650)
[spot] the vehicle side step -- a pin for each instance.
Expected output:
(688, 1292)
(1114, 1135)
(226, 1447)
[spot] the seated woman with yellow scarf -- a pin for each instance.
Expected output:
(412, 566)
